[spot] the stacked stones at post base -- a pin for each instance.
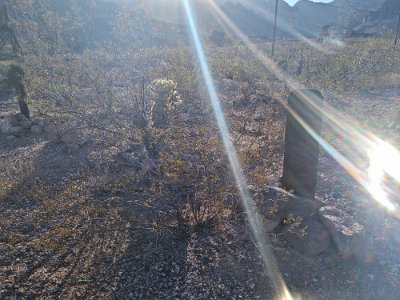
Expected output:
(309, 227)
(19, 125)
(347, 234)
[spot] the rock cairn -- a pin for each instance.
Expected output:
(310, 227)
(19, 125)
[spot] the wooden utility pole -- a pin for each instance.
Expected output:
(274, 33)
(397, 33)
(301, 149)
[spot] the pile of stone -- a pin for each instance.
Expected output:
(19, 125)
(310, 227)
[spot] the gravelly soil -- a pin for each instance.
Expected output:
(69, 232)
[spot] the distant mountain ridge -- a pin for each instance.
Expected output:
(255, 17)
(368, 5)
(308, 18)
(163, 22)
(382, 20)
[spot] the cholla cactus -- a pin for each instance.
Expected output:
(165, 99)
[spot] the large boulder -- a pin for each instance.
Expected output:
(347, 234)
(310, 237)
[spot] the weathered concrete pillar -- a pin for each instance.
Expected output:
(301, 149)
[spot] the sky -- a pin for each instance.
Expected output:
(292, 2)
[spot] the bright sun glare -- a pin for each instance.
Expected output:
(384, 160)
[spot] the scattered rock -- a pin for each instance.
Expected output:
(25, 124)
(17, 131)
(19, 117)
(310, 238)
(36, 129)
(19, 125)
(5, 126)
(21, 121)
(38, 121)
(14, 121)
(347, 235)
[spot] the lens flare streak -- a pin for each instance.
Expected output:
(383, 158)
(255, 222)
(334, 120)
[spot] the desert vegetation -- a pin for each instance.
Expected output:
(118, 186)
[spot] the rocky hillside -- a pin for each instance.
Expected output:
(156, 22)
(369, 5)
(311, 16)
(383, 20)
(255, 17)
